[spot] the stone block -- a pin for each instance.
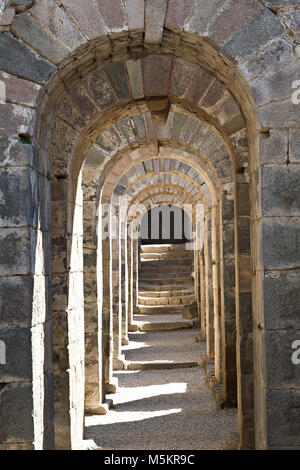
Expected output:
(273, 149)
(280, 190)
(100, 89)
(114, 15)
(53, 17)
(136, 14)
(134, 69)
(155, 13)
(8, 16)
(156, 71)
(18, 365)
(16, 119)
(263, 27)
(117, 75)
(16, 297)
(281, 242)
(201, 16)
(87, 16)
(177, 14)
(277, 113)
(278, 370)
(16, 406)
(279, 51)
(18, 196)
(295, 145)
(283, 418)
(20, 91)
(18, 59)
(244, 235)
(199, 84)
(281, 299)
(232, 18)
(17, 251)
(36, 37)
(81, 101)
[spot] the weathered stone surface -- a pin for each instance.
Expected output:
(274, 148)
(136, 13)
(117, 75)
(7, 18)
(295, 145)
(275, 85)
(177, 13)
(232, 18)
(134, 69)
(201, 16)
(281, 242)
(101, 90)
(20, 91)
(114, 15)
(277, 52)
(16, 406)
(16, 295)
(155, 14)
(263, 27)
(17, 59)
(18, 197)
(156, 71)
(87, 16)
(49, 14)
(16, 119)
(280, 190)
(18, 365)
(274, 114)
(182, 72)
(199, 85)
(37, 38)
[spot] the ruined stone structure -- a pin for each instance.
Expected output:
(192, 103)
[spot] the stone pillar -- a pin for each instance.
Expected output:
(26, 370)
(209, 287)
(203, 300)
(123, 284)
(217, 291)
(94, 395)
(130, 276)
(135, 276)
(244, 342)
(105, 264)
(115, 244)
(228, 307)
(68, 316)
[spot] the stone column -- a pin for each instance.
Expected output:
(217, 291)
(68, 316)
(123, 284)
(115, 244)
(105, 264)
(135, 276)
(228, 308)
(94, 395)
(202, 290)
(26, 370)
(209, 287)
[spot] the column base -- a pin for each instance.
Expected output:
(101, 409)
(118, 362)
(132, 328)
(112, 387)
(125, 341)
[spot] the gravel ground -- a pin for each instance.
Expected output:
(174, 346)
(163, 410)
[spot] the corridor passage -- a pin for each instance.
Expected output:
(163, 401)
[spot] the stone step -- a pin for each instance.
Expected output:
(165, 293)
(187, 312)
(157, 365)
(186, 270)
(149, 287)
(176, 300)
(165, 255)
(165, 276)
(163, 248)
(164, 326)
(167, 263)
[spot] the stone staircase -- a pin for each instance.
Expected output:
(167, 306)
(165, 282)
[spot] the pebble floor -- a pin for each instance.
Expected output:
(163, 409)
